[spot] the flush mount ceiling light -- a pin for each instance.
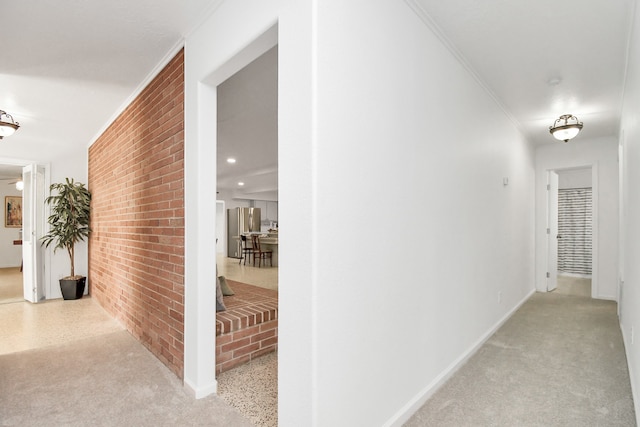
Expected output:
(7, 125)
(565, 127)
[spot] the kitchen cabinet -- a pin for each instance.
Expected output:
(268, 210)
(262, 204)
(272, 211)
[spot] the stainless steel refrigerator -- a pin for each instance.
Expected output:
(240, 221)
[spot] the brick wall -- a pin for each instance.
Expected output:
(136, 250)
(248, 328)
(235, 348)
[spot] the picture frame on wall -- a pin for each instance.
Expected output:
(13, 211)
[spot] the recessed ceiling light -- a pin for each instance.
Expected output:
(241, 184)
(231, 160)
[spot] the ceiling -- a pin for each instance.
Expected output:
(10, 173)
(248, 131)
(543, 58)
(69, 66)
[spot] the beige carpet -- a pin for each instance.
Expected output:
(108, 380)
(559, 361)
(10, 285)
(569, 285)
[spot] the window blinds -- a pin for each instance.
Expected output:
(574, 230)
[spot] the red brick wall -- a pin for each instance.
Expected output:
(235, 348)
(136, 250)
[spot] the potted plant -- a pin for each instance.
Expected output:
(68, 225)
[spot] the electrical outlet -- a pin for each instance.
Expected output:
(632, 335)
(499, 296)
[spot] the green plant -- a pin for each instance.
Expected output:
(69, 219)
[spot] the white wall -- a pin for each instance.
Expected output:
(221, 231)
(366, 117)
(399, 119)
(629, 305)
(10, 254)
(71, 165)
(232, 202)
(601, 154)
(574, 178)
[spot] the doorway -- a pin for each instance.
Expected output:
(571, 231)
(247, 177)
(11, 278)
(20, 240)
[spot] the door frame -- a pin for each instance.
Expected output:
(200, 208)
(622, 216)
(35, 258)
(595, 259)
(553, 179)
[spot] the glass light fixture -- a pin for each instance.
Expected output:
(20, 185)
(7, 125)
(565, 127)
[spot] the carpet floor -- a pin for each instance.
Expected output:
(558, 361)
(107, 380)
(570, 285)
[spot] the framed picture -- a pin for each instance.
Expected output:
(13, 211)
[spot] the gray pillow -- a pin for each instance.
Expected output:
(226, 289)
(219, 301)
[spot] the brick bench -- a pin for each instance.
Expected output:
(248, 328)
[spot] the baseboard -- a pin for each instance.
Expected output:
(634, 394)
(199, 393)
(579, 276)
(606, 298)
(403, 415)
(10, 266)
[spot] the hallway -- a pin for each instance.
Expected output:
(558, 361)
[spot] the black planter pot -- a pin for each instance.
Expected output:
(72, 288)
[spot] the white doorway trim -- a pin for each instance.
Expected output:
(35, 213)
(622, 216)
(552, 230)
(200, 211)
(595, 258)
